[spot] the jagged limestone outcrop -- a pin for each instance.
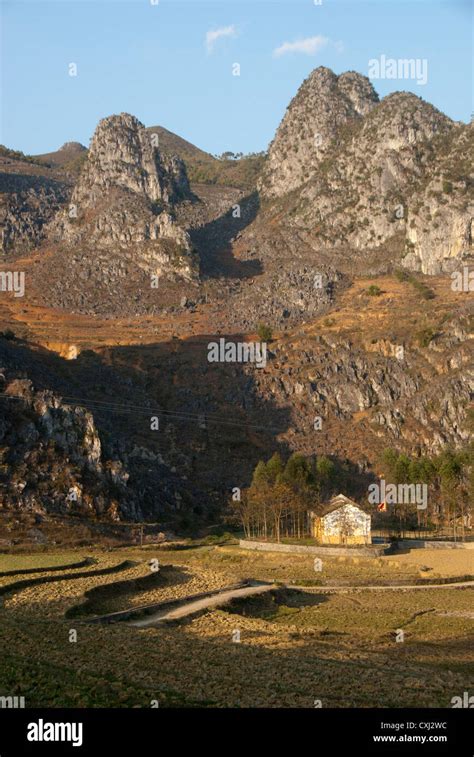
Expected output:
(350, 172)
(122, 155)
(51, 457)
(440, 219)
(124, 199)
(323, 104)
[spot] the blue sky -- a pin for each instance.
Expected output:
(153, 61)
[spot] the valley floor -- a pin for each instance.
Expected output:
(283, 648)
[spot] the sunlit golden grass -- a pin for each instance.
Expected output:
(27, 562)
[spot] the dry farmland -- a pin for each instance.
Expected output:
(297, 645)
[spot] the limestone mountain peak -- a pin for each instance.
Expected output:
(121, 216)
(324, 103)
(122, 154)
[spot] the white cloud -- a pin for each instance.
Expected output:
(309, 46)
(214, 34)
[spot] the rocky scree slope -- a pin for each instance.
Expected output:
(218, 420)
(30, 196)
(368, 399)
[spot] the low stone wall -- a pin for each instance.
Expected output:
(320, 551)
(431, 544)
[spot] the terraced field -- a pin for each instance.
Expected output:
(293, 647)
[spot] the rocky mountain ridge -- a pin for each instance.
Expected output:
(354, 189)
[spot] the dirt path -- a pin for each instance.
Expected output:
(395, 587)
(189, 608)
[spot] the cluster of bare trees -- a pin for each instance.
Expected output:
(272, 510)
(281, 495)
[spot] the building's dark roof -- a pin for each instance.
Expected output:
(336, 502)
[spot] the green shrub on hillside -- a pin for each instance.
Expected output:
(264, 332)
(374, 290)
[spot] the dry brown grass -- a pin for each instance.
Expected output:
(295, 647)
(443, 562)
